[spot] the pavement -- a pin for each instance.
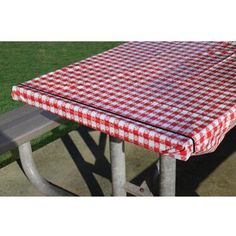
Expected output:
(79, 162)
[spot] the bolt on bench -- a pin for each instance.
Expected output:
(174, 98)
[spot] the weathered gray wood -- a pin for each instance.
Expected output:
(24, 124)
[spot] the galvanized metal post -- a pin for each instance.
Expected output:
(117, 154)
(33, 175)
(167, 175)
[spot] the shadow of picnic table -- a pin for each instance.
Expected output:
(190, 174)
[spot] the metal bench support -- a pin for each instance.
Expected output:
(117, 155)
(167, 175)
(33, 175)
(166, 168)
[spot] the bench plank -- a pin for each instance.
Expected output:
(24, 124)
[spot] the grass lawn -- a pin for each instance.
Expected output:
(22, 61)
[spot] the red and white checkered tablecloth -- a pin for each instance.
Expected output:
(175, 98)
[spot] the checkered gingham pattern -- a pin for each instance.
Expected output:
(175, 98)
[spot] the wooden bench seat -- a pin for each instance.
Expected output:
(17, 128)
(24, 124)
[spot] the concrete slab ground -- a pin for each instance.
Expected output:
(79, 162)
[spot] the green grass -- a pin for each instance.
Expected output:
(22, 61)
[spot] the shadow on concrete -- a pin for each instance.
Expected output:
(190, 174)
(57, 186)
(101, 167)
(86, 169)
(7, 143)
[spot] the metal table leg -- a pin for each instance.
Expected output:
(33, 175)
(167, 175)
(117, 154)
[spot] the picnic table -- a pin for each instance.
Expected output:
(175, 98)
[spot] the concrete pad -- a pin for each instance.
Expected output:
(71, 164)
(79, 162)
(211, 174)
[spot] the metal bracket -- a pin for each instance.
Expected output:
(142, 190)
